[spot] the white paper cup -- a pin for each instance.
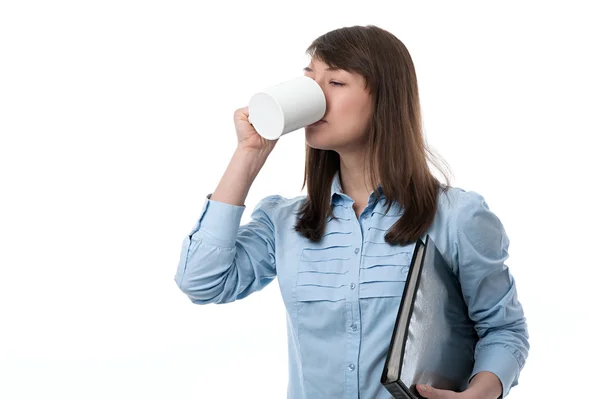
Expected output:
(286, 107)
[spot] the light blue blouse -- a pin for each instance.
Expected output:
(342, 294)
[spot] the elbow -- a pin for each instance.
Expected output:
(204, 272)
(200, 293)
(204, 289)
(185, 286)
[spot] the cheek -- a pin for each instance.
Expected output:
(349, 113)
(352, 127)
(347, 122)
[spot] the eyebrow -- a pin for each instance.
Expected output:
(307, 69)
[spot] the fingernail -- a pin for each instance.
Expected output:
(424, 387)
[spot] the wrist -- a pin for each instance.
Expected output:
(252, 155)
(484, 385)
(249, 161)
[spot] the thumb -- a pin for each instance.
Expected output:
(426, 391)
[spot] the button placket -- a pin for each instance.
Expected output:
(354, 312)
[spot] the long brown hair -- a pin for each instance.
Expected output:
(395, 145)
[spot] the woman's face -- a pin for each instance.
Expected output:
(348, 111)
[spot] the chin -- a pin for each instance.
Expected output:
(318, 141)
(323, 137)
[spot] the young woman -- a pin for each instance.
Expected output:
(341, 253)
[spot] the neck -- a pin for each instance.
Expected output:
(354, 176)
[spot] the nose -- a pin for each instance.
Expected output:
(323, 86)
(319, 81)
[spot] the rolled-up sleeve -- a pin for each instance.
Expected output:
(480, 251)
(221, 261)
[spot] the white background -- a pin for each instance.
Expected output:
(116, 122)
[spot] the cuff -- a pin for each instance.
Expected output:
(500, 361)
(218, 224)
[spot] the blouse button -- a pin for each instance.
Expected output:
(356, 250)
(351, 367)
(352, 286)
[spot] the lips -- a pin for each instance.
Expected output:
(318, 123)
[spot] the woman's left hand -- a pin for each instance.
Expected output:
(429, 392)
(483, 385)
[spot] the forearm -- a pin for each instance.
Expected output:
(235, 184)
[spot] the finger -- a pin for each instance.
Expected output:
(427, 391)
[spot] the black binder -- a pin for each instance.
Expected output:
(434, 339)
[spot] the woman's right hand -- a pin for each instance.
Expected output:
(248, 137)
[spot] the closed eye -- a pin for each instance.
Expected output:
(337, 83)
